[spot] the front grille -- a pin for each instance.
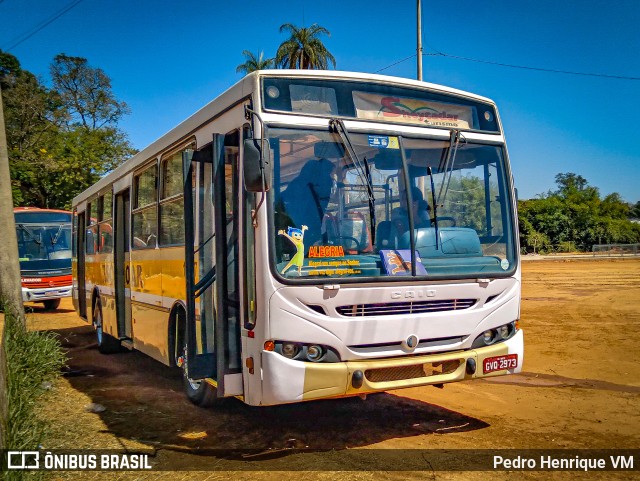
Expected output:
(413, 307)
(401, 373)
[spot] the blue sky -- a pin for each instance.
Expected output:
(168, 58)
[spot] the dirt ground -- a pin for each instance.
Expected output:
(580, 389)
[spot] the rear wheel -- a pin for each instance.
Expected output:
(106, 344)
(51, 304)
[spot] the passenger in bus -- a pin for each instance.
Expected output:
(307, 196)
(400, 215)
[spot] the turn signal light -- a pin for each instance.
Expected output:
(269, 346)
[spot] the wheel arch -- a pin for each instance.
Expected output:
(95, 295)
(176, 330)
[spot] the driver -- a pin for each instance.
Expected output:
(307, 197)
(420, 207)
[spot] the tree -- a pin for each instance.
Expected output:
(86, 92)
(253, 63)
(304, 49)
(575, 214)
(61, 140)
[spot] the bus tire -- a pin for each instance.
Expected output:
(106, 344)
(51, 304)
(199, 392)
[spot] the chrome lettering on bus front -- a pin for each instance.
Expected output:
(413, 294)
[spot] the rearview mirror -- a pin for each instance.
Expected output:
(257, 166)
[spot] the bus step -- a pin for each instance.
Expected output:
(127, 343)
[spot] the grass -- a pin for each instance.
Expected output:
(34, 360)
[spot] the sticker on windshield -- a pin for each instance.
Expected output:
(334, 267)
(296, 237)
(383, 142)
(326, 251)
(504, 263)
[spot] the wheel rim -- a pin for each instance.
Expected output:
(193, 384)
(98, 325)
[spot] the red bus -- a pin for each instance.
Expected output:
(44, 248)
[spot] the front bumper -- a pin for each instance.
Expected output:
(44, 294)
(286, 381)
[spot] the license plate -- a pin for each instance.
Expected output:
(500, 363)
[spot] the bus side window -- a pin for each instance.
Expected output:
(92, 229)
(171, 232)
(145, 212)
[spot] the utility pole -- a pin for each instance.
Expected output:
(419, 49)
(10, 289)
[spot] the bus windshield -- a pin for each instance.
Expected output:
(341, 214)
(41, 242)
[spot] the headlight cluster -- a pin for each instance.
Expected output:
(304, 352)
(497, 334)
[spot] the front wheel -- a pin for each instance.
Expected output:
(106, 344)
(198, 391)
(51, 304)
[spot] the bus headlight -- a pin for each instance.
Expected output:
(289, 349)
(492, 336)
(487, 336)
(298, 351)
(315, 353)
(504, 331)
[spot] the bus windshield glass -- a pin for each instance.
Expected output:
(347, 215)
(43, 242)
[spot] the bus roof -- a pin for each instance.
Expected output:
(38, 210)
(240, 90)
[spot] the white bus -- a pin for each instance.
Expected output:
(307, 235)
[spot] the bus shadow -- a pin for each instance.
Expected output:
(144, 401)
(38, 308)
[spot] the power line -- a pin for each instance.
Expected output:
(500, 64)
(394, 64)
(26, 36)
(524, 67)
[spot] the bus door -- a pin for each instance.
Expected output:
(213, 330)
(122, 268)
(81, 233)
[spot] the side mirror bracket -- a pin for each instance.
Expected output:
(256, 162)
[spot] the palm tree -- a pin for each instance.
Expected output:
(304, 50)
(254, 63)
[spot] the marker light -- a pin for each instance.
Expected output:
(273, 92)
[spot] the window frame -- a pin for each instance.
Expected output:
(103, 221)
(137, 209)
(174, 197)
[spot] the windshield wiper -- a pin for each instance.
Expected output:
(435, 204)
(31, 236)
(447, 162)
(54, 239)
(363, 170)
